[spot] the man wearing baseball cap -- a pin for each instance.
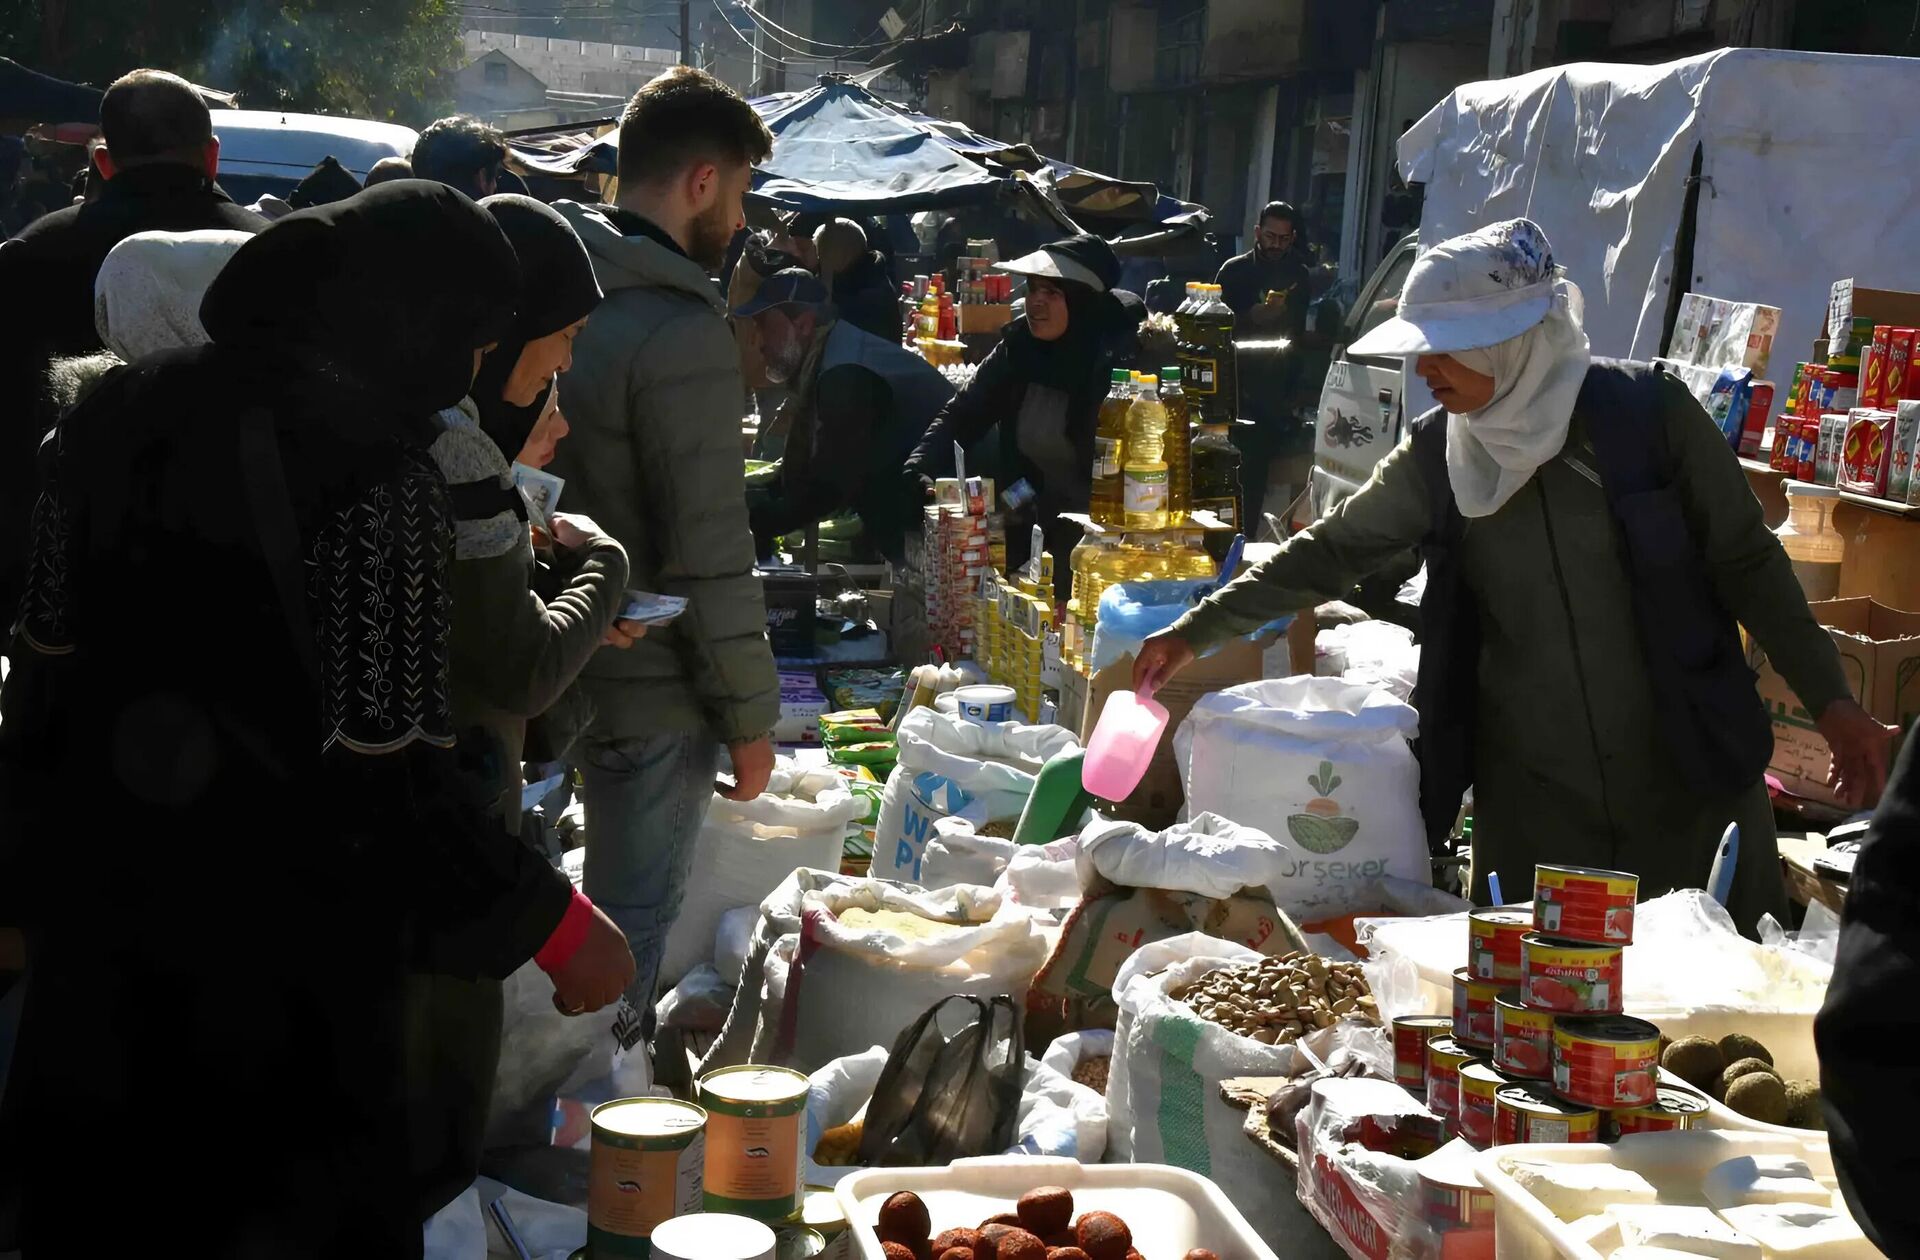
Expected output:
(859, 403)
(1590, 544)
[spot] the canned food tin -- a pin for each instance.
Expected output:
(1493, 943)
(1445, 1058)
(1605, 1060)
(755, 1119)
(821, 1212)
(1522, 1039)
(1411, 1033)
(1473, 1000)
(1578, 903)
(797, 1242)
(1529, 1112)
(1672, 1108)
(1479, 1082)
(1452, 1198)
(712, 1236)
(645, 1168)
(1569, 978)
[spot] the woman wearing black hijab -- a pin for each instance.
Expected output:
(230, 676)
(512, 652)
(1043, 385)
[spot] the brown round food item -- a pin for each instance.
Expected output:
(1004, 1218)
(955, 1253)
(1200, 1253)
(1067, 1253)
(1018, 1244)
(1695, 1060)
(905, 1219)
(897, 1251)
(1737, 1046)
(967, 1238)
(1103, 1236)
(1759, 1096)
(1046, 1210)
(1738, 1069)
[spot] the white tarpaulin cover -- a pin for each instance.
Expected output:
(1809, 172)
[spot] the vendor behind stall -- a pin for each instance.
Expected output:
(1043, 385)
(859, 404)
(1590, 543)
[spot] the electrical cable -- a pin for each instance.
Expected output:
(809, 54)
(764, 20)
(742, 37)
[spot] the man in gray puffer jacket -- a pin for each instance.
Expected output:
(654, 401)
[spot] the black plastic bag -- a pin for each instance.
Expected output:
(944, 1098)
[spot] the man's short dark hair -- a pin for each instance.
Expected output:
(684, 116)
(389, 168)
(150, 114)
(1280, 210)
(455, 150)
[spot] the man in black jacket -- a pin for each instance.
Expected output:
(1866, 1028)
(159, 161)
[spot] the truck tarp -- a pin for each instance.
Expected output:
(1808, 175)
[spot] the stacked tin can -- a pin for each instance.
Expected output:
(958, 551)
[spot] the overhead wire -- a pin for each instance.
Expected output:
(798, 52)
(765, 20)
(758, 52)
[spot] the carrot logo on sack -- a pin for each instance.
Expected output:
(1320, 827)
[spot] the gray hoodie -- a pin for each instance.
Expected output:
(654, 403)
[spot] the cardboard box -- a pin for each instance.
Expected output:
(1849, 302)
(1880, 655)
(1156, 802)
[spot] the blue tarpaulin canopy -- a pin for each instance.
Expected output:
(837, 146)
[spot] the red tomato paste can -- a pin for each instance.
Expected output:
(1522, 1039)
(1445, 1058)
(1479, 1082)
(1605, 1060)
(1473, 999)
(1493, 943)
(1672, 1108)
(1577, 903)
(1452, 1198)
(1570, 978)
(1528, 1112)
(1410, 1036)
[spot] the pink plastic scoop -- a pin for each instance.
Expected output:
(1123, 744)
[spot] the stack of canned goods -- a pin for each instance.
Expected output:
(1537, 1048)
(718, 1181)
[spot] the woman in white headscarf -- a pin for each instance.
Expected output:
(1590, 544)
(146, 299)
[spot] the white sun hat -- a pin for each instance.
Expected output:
(1470, 292)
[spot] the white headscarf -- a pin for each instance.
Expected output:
(1537, 375)
(147, 297)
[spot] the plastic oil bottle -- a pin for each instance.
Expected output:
(1216, 473)
(1179, 446)
(1811, 542)
(1186, 557)
(1109, 446)
(1213, 353)
(1183, 325)
(1144, 468)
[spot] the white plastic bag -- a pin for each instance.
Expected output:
(838, 1094)
(874, 956)
(957, 854)
(733, 940)
(982, 772)
(1163, 1087)
(746, 848)
(1208, 855)
(1044, 876)
(1317, 763)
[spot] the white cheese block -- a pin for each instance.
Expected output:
(1651, 1253)
(1763, 1179)
(1571, 1191)
(1801, 1231)
(1695, 1230)
(1599, 1231)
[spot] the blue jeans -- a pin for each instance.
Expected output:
(645, 799)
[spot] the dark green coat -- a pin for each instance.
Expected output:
(1568, 760)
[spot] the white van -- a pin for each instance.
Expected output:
(1361, 415)
(266, 151)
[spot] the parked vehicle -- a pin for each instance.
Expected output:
(266, 151)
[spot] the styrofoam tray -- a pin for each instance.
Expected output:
(1169, 1210)
(1524, 1229)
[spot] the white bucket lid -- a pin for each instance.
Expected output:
(712, 1236)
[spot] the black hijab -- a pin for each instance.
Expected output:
(385, 296)
(1095, 318)
(556, 288)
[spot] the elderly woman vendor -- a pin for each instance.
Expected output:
(1590, 544)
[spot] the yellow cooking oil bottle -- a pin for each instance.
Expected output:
(1109, 445)
(1144, 470)
(1186, 557)
(1179, 443)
